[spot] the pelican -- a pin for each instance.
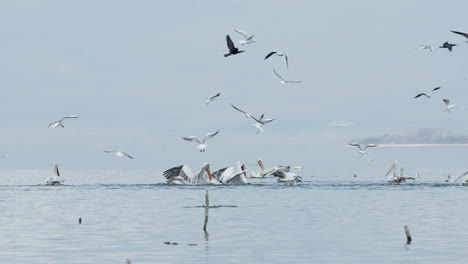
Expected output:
(362, 150)
(53, 180)
(230, 175)
(212, 98)
(397, 179)
(448, 46)
(58, 123)
(423, 47)
(247, 39)
(245, 113)
(283, 81)
(202, 146)
(232, 50)
(119, 153)
(183, 175)
(262, 171)
(278, 53)
(260, 122)
(448, 106)
(283, 175)
(461, 33)
(427, 95)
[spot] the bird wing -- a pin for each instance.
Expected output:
(269, 54)
(293, 81)
(214, 96)
(394, 164)
(217, 174)
(243, 33)
(126, 154)
(209, 135)
(259, 121)
(192, 138)
(279, 76)
(175, 172)
(355, 145)
(370, 146)
(446, 101)
(435, 89)
(238, 109)
(70, 116)
(460, 33)
(109, 151)
(230, 44)
(419, 95)
(286, 58)
(267, 120)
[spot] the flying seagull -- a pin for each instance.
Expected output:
(119, 153)
(423, 47)
(283, 81)
(232, 50)
(277, 53)
(212, 98)
(260, 122)
(59, 122)
(202, 146)
(448, 46)
(362, 150)
(448, 106)
(245, 113)
(461, 33)
(247, 39)
(427, 95)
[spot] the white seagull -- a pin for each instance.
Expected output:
(260, 122)
(427, 95)
(423, 47)
(277, 53)
(448, 106)
(245, 113)
(283, 81)
(58, 123)
(183, 175)
(212, 98)
(362, 150)
(119, 153)
(231, 175)
(202, 146)
(247, 39)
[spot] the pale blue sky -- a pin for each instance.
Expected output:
(138, 72)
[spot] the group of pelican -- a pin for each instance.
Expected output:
(183, 175)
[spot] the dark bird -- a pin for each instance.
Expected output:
(232, 50)
(277, 53)
(448, 46)
(427, 95)
(461, 33)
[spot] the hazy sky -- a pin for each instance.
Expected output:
(138, 72)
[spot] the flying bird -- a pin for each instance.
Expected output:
(119, 153)
(260, 122)
(427, 95)
(362, 150)
(423, 47)
(448, 46)
(202, 146)
(247, 39)
(461, 33)
(283, 81)
(448, 106)
(212, 98)
(58, 123)
(232, 49)
(277, 53)
(245, 113)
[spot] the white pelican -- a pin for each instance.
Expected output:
(58, 123)
(212, 98)
(282, 80)
(119, 153)
(461, 33)
(247, 39)
(283, 175)
(397, 179)
(362, 150)
(183, 175)
(448, 105)
(448, 46)
(464, 181)
(232, 49)
(54, 180)
(231, 175)
(262, 171)
(429, 47)
(427, 95)
(201, 143)
(278, 53)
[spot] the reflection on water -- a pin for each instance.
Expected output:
(328, 219)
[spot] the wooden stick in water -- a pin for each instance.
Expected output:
(207, 206)
(408, 235)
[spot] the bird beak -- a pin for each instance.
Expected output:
(260, 163)
(243, 169)
(209, 173)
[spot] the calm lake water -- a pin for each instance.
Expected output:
(329, 218)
